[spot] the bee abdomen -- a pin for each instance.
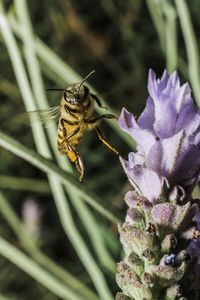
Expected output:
(60, 139)
(60, 132)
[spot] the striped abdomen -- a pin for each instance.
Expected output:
(65, 130)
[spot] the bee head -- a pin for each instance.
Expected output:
(76, 94)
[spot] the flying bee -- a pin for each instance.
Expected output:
(75, 118)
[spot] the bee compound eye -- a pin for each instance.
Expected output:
(65, 95)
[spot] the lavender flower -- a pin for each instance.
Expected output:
(163, 171)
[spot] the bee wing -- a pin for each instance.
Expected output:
(44, 116)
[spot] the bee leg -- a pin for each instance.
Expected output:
(98, 101)
(67, 137)
(103, 140)
(75, 157)
(72, 134)
(80, 167)
(93, 122)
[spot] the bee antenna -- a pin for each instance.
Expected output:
(55, 90)
(86, 79)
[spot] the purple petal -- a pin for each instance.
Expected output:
(134, 200)
(171, 84)
(183, 96)
(166, 122)
(188, 162)
(127, 121)
(174, 81)
(143, 179)
(163, 155)
(144, 139)
(195, 139)
(164, 86)
(146, 119)
(197, 219)
(152, 84)
(188, 118)
(163, 82)
(154, 158)
(171, 149)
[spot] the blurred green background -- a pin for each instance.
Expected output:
(59, 238)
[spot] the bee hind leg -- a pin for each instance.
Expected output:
(75, 157)
(103, 140)
(80, 167)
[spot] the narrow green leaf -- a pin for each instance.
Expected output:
(24, 184)
(171, 35)
(95, 235)
(49, 167)
(78, 243)
(2, 297)
(191, 46)
(157, 18)
(163, 16)
(32, 248)
(28, 40)
(35, 271)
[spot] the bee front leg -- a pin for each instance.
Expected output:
(98, 101)
(93, 122)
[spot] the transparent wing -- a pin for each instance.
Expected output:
(44, 116)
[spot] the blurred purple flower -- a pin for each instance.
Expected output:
(31, 215)
(167, 134)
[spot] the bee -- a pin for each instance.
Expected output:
(75, 118)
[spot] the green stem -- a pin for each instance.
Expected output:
(157, 18)
(3, 297)
(167, 31)
(22, 184)
(35, 271)
(81, 248)
(78, 243)
(171, 36)
(31, 247)
(95, 236)
(41, 100)
(191, 47)
(49, 167)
